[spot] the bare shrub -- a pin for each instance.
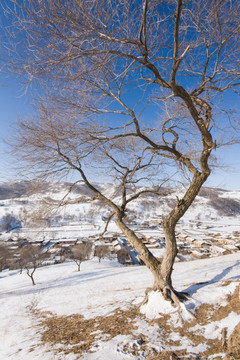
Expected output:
(10, 222)
(123, 256)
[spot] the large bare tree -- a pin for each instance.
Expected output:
(134, 89)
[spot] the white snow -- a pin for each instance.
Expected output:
(156, 306)
(100, 288)
(97, 290)
(214, 329)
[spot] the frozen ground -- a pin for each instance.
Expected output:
(94, 314)
(101, 288)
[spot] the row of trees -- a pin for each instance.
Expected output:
(84, 250)
(30, 257)
(130, 92)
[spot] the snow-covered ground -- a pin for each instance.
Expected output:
(95, 314)
(213, 212)
(99, 291)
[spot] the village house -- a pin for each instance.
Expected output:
(219, 250)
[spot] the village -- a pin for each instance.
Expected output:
(190, 247)
(207, 231)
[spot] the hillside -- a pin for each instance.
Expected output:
(29, 211)
(95, 314)
(21, 197)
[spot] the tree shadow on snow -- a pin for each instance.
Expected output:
(192, 289)
(68, 281)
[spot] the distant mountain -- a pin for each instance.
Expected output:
(14, 190)
(211, 202)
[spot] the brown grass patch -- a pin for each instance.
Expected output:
(216, 313)
(205, 314)
(233, 344)
(75, 334)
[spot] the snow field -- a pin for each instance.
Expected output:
(98, 290)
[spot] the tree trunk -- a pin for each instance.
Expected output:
(137, 243)
(170, 254)
(33, 282)
(30, 274)
(169, 226)
(162, 271)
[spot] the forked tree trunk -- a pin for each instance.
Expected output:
(30, 274)
(171, 220)
(162, 271)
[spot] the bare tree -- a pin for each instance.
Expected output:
(31, 257)
(122, 255)
(102, 251)
(20, 260)
(81, 252)
(5, 256)
(133, 89)
(9, 222)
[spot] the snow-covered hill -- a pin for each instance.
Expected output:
(212, 206)
(30, 210)
(94, 314)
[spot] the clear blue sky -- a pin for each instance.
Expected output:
(14, 104)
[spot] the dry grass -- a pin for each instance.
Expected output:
(205, 314)
(75, 334)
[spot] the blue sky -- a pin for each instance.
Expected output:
(14, 104)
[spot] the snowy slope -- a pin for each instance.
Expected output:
(101, 288)
(213, 211)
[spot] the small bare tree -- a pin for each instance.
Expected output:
(10, 222)
(123, 256)
(19, 260)
(81, 252)
(102, 251)
(31, 257)
(130, 90)
(5, 256)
